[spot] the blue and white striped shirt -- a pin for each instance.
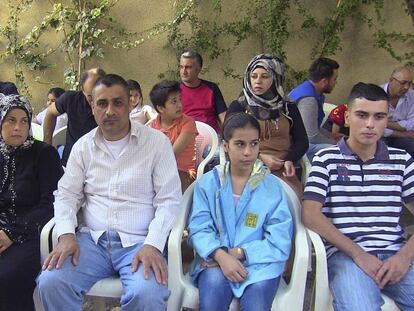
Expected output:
(363, 200)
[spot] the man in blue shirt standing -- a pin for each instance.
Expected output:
(309, 96)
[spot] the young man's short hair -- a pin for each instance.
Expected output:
(160, 92)
(368, 91)
(193, 54)
(322, 68)
(111, 80)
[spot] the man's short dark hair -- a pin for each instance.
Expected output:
(368, 91)
(322, 68)
(99, 72)
(56, 91)
(111, 80)
(134, 85)
(160, 92)
(193, 54)
(8, 88)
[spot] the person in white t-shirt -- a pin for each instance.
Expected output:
(139, 112)
(52, 95)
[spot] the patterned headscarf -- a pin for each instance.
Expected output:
(6, 104)
(8, 154)
(274, 99)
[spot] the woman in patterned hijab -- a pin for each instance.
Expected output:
(283, 140)
(29, 172)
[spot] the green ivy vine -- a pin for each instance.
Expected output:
(271, 22)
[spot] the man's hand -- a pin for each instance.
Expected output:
(151, 257)
(5, 241)
(231, 267)
(403, 134)
(289, 169)
(67, 246)
(368, 263)
(392, 270)
(272, 162)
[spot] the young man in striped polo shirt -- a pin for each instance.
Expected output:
(353, 199)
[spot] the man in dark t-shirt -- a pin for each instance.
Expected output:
(201, 99)
(76, 104)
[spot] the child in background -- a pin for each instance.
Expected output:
(336, 122)
(240, 225)
(52, 96)
(139, 112)
(180, 129)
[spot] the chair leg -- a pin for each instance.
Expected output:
(36, 300)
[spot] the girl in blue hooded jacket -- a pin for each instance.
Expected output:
(240, 225)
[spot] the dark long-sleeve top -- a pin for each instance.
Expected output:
(38, 170)
(299, 139)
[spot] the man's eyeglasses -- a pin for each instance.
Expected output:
(403, 82)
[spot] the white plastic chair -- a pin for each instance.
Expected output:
(111, 287)
(59, 137)
(289, 296)
(37, 131)
(323, 297)
(306, 168)
(106, 288)
(206, 136)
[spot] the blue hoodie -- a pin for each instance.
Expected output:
(261, 223)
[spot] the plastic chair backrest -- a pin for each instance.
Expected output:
(306, 168)
(59, 137)
(37, 131)
(207, 136)
(185, 295)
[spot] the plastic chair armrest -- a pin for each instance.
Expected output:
(45, 235)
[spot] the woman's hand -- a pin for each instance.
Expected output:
(5, 241)
(272, 162)
(289, 169)
(232, 268)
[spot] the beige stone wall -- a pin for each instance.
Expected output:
(358, 59)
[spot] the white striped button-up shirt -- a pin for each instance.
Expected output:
(138, 194)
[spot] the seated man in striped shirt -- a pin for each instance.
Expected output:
(124, 177)
(353, 199)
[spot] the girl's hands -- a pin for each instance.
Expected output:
(231, 267)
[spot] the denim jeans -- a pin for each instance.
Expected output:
(216, 295)
(352, 289)
(64, 289)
